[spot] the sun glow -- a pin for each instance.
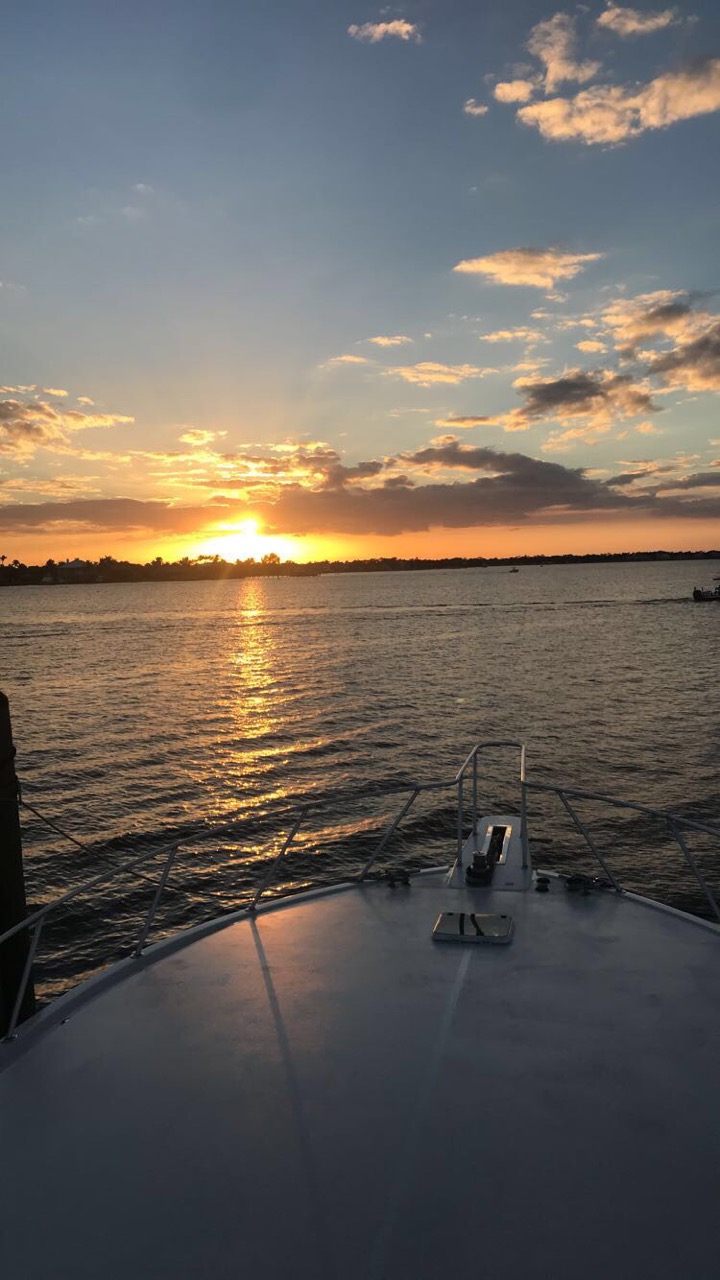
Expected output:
(244, 541)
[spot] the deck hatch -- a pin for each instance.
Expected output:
(472, 926)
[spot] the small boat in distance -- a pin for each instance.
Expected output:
(707, 593)
(514, 569)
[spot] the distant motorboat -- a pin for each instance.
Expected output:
(514, 569)
(707, 593)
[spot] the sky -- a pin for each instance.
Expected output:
(331, 280)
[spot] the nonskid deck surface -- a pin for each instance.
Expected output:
(325, 1092)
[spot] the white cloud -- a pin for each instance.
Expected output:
(631, 22)
(554, 43)
(473, 108)
(372, 32)
(590, 346)
(538, 268)
(611, 114)
(55, 391)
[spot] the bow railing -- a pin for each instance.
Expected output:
(676, 825)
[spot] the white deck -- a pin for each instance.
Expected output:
(325, 1092)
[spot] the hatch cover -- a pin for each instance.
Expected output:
(471, 926)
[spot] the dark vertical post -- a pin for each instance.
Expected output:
(13, 908)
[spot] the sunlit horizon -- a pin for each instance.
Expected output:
(383, 300)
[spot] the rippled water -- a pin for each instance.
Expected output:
(142, 711)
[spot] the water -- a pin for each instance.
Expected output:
(142, 711)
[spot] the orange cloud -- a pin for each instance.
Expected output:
(473, 108)
(554, 43)
(429, 373)
(537, 268)
(372, 32)
(611, 114)
(394, 340)
(514, 90)
(631, 22)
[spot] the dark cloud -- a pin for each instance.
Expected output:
(101, 514)
(508, 488)
(700, 480)
(695, 366)
(28, 425)
(337, 475)
(580, 394)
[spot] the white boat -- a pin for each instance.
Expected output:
(402, 1078)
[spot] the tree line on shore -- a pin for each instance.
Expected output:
(108, 569)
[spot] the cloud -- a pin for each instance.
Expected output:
(336, 362)
(473, 108)
(538, 268)
(463, 422)
(514, 90)
(520, 334)
(26, 426)
(554, 43)
(666, 313)
(199, 437)
(694, 365)
(395, 340)
(529, 366)
(372, 32)
(631, 22)
(55, 391)
(505, 488)
(590, 346)
(600, 398)
(429, 373)
(611, 114)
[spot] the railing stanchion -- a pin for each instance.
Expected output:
(277, 860)
(156, 901)
(475, 799)
(460, 820)
(390, 831)
(523, 824)
(674, 832)
(589, 841)
(15, 1015)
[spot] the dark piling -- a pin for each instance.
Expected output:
(13, 907)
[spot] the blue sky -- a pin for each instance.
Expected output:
(211, 212)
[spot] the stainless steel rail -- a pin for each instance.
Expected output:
(35, 922)
(672, 821)
(472, 763)
(676, 824)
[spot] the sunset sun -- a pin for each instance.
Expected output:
(244, 541)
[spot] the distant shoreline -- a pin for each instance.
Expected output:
(108, 570)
